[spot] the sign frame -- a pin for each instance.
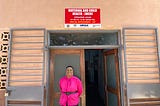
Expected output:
(82, 18)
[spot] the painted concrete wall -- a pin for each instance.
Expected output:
(1, 98)
(50, 13)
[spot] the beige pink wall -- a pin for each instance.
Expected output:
(50, 13)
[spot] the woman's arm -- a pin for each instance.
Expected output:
(79, 87)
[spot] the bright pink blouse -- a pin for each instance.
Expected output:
(72, 84)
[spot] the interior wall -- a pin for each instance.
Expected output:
(101, 76)
(90, 56)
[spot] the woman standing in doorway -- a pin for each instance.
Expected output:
(70, 88)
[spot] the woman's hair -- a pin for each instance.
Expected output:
(69, 66)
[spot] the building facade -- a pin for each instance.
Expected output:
(121, 57)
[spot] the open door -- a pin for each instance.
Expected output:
(59, 59)
(112, 80)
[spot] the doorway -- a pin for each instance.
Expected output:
(94, 75)
(102, 77)
(87, 52)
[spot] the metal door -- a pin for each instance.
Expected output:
(142, 66)
(112, 79)
(25, 77)
(59, 60)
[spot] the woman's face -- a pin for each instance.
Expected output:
(69, 72)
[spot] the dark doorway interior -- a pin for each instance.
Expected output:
(95, 93)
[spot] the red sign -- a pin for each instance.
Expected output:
(81, 17)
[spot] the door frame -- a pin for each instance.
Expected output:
(49, 48)
(82, 69)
